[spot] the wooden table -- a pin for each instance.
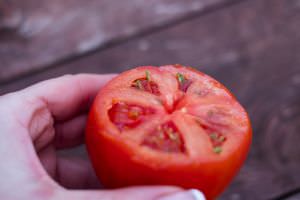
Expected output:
(252, 46)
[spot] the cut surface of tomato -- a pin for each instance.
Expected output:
(168, 125)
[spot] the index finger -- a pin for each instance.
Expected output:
(68, 95)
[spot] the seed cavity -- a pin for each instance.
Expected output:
(217, 138)
(125, 115)
(146, 84)
(165, 137)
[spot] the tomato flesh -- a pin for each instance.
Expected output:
(167, 125)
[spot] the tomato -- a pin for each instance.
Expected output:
(169, 125)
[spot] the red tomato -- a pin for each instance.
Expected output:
(168, 125)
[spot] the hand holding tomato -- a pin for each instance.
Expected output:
(38, 121)
(167, 125)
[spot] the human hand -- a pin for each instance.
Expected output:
(49, 116)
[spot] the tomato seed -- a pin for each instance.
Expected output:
(184, 83)
(217, 149)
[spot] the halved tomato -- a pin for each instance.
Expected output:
(168, 125)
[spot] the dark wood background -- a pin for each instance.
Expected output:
(252, 46)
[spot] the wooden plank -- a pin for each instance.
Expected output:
(36, 34)
(253, 48)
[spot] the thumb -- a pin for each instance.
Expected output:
(135, 193)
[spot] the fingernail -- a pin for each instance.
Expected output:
(192, 194)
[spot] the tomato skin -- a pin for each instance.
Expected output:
(117, 163)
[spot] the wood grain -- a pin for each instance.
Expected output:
(38, 33)
(253, 48)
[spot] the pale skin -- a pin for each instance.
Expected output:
(36, 122)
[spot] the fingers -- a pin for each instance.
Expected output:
(68, 95)
(70, 133)
(132, 193)
(48, 159)
(76, 173)
(192, 194)
(137, 193)
(69, 172)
